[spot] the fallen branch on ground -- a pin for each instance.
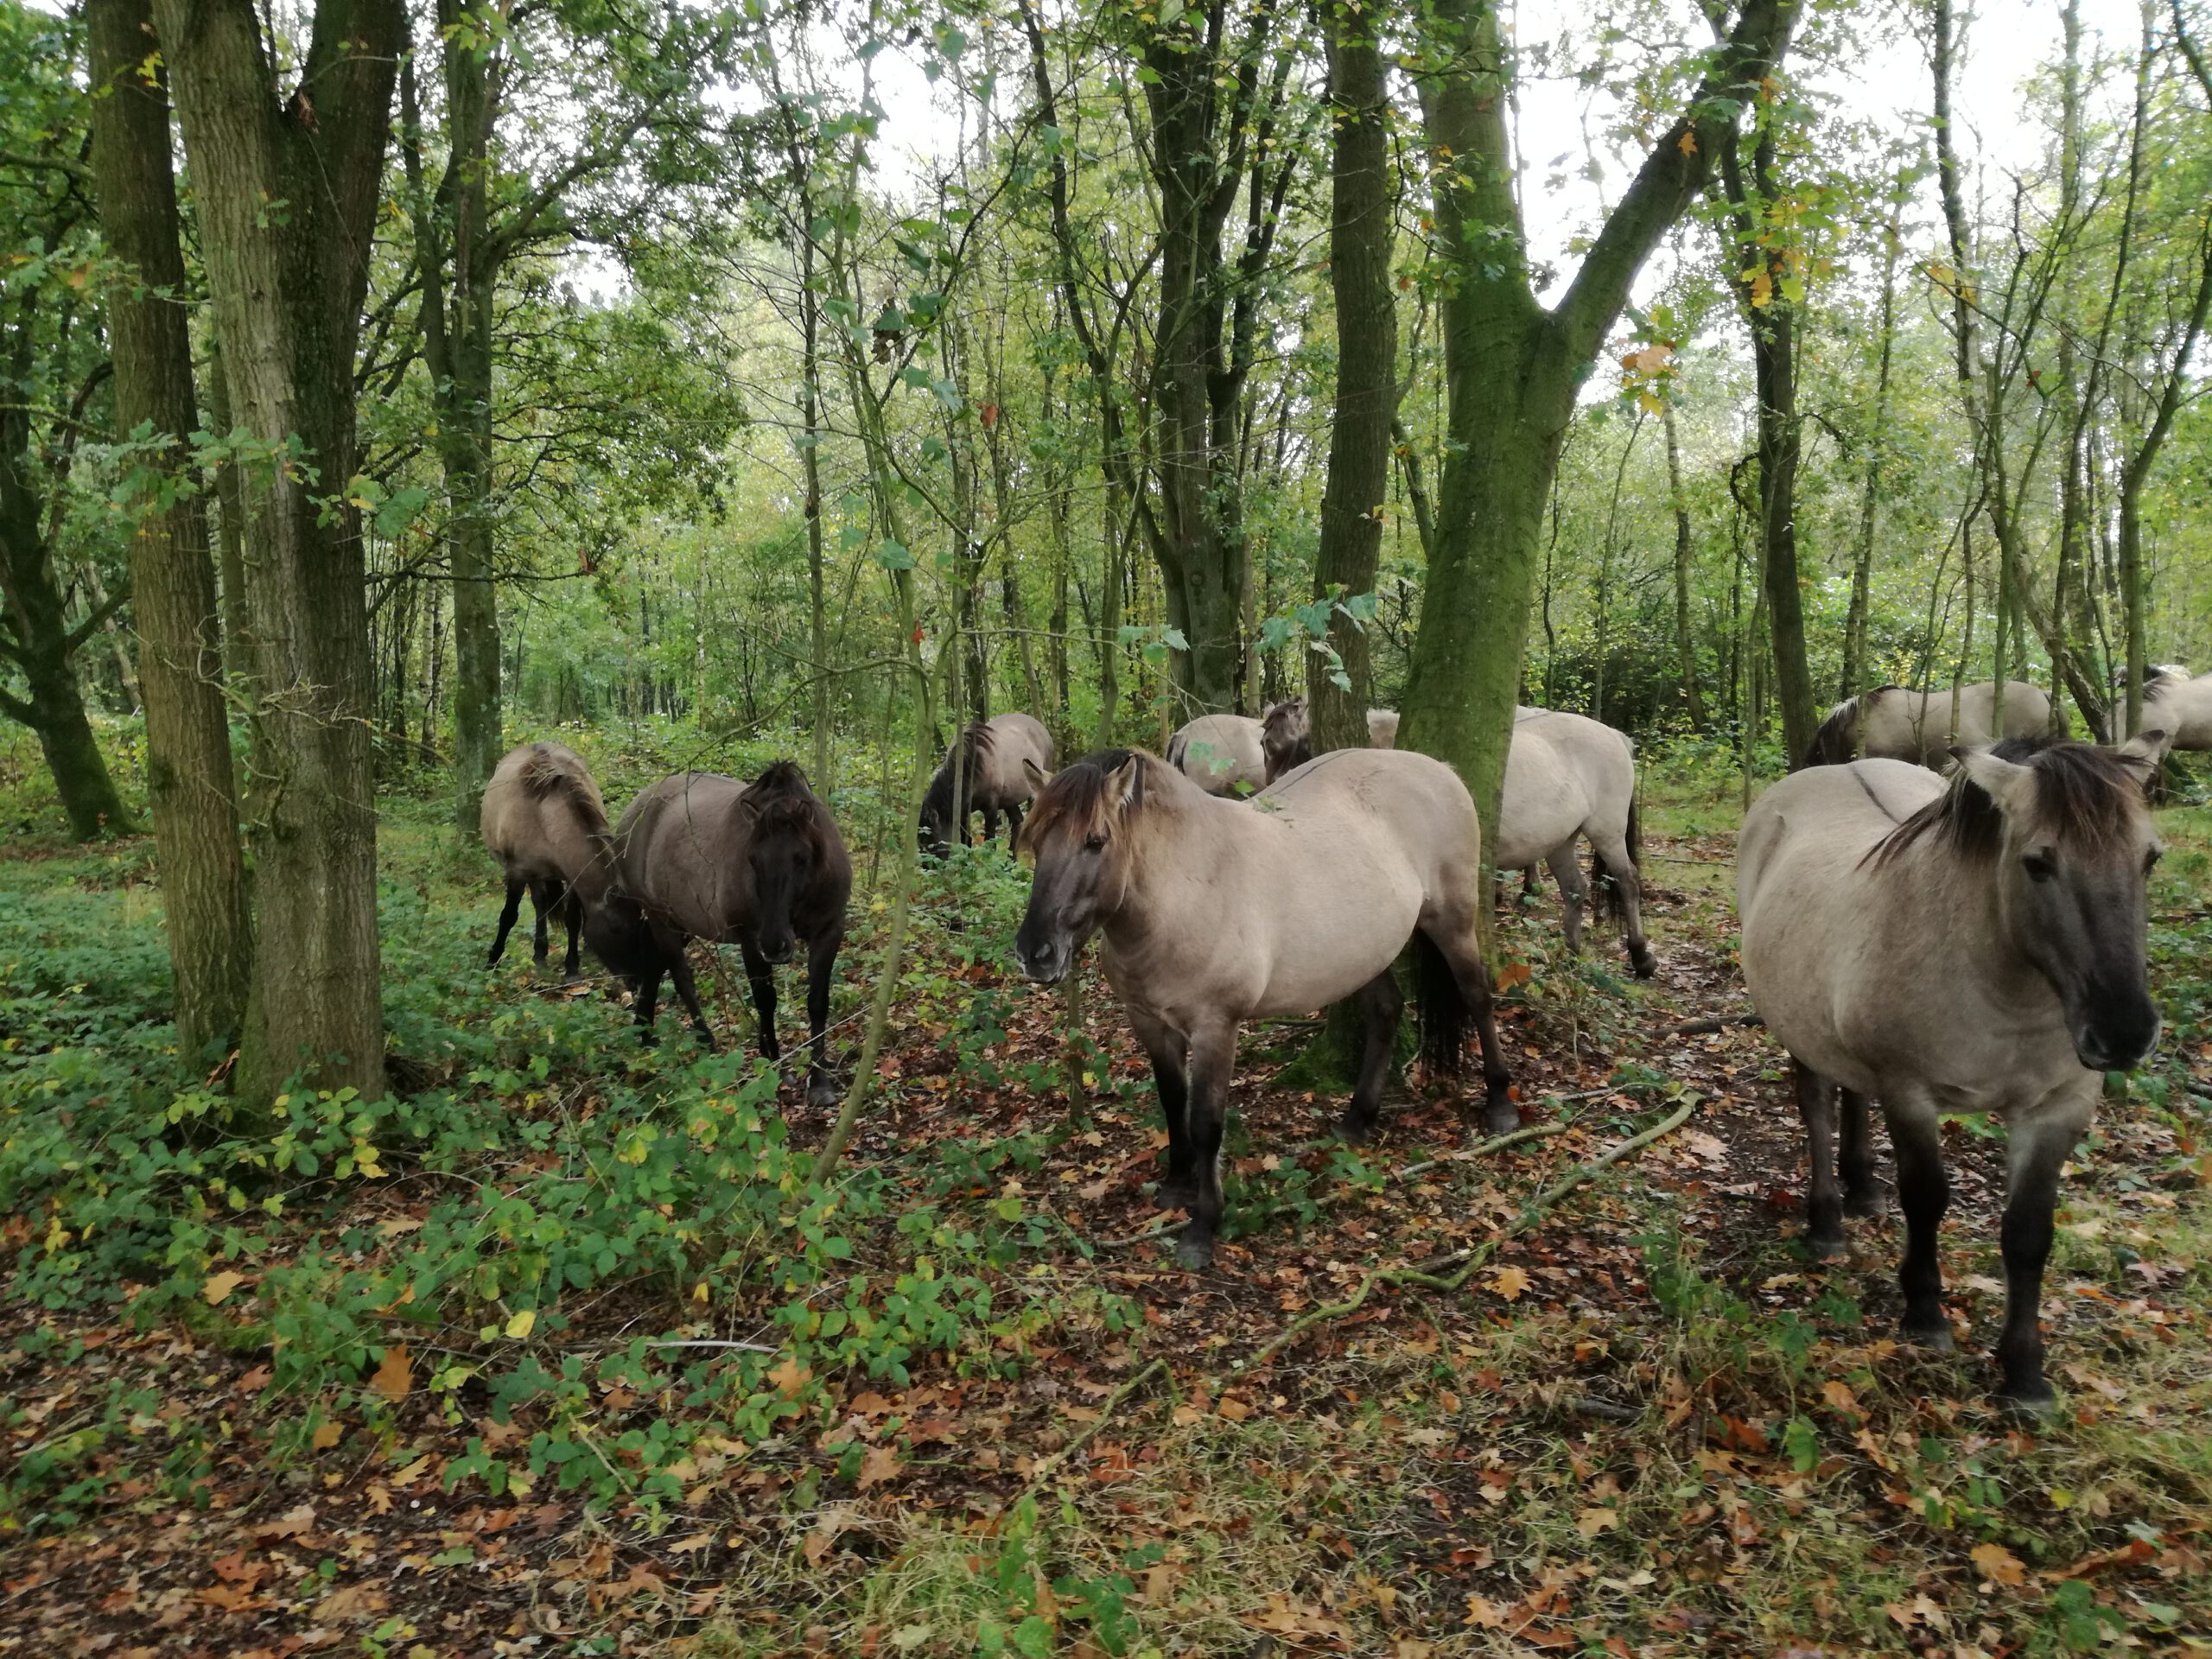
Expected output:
(1717, 1022)
(1045, 1470)
(1429, 1274)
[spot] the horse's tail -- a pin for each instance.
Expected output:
(1610, 904)
(1443, 1009)
(1837, 735)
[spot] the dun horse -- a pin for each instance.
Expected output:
(2180, 705)
(1222, 755)
(1215, 912)
(1567, 775)
(1286, 735)
(759, 864)
(1897, 724)
(545, 822)
(1970, 946)
(984, 771)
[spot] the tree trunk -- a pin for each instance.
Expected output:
(189, 781)
(230, 525)
(1771, 316)
(287, 290)
(1361, 237)
(1878, 439)
(1685, 640)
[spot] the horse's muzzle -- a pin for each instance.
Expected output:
(1047, 964)
(777, 954)
(2118, 1044)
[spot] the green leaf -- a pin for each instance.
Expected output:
(893, 556)
(401, 511)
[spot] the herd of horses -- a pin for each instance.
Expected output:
(1240, 876)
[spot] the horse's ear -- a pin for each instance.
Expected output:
(1037, 775)
(2146, 751)
(1125, 785)
(2006, 782)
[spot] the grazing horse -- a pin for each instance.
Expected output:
(1973, 946)
(1222, 755)
(1567, 775)
(2180, 705)
(1900, 725)
(983, 772)
(702, 856)
(1217, 911)
(1286, 735)
(543, 820)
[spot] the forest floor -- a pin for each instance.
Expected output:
(479, 1387)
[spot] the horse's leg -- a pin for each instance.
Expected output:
(646, 1001)
(990, 825)
(1573, 890)
(679, 972)
(1532, 885)
(1923, 1193)
(1213, 1058)
(821, 969)
(762, 978)
(1455, 938)
(1380, 1005)
(1013, 826)
(2036, 1143)
(1823, 1197)
(1612, 851)
(572, 911)
(1860, 1196)
(507, 922)
(1167, 1052)
(541, 903)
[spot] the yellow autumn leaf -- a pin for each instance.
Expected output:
(394, 1379)
(1999, 1564)
(220, 1285)
(1509, 1282)
(523, 1324)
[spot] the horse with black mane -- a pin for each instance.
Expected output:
(984, 771)
(1215, 911)
(759, 864)
(1969, 946)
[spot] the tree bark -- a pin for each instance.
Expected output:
(1512, 368)
(189, 781)
(1877, 439)
(1361, 239)
(288, 188)
(1685, 639)
(1772, 317)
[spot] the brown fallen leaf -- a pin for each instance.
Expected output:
(1509, 1283)
(220, 1285)
(881, 1464)
(394, 1378)
(1998, 1564)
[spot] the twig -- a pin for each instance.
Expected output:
(1114, 1403)
(1531, 1132)
(1583, 1406)
(1427, 1274)
(1717, 1022)
(705, 1342)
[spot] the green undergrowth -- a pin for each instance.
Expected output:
(536, 1211)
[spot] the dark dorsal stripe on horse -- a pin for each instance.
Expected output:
(1859, 777)
(2087, 796)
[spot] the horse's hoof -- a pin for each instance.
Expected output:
(1828, 1247)
(1935, 1338)
(1502, 1119)
(2031, 1401)
(1644, 963)
(823, 1093)
(1355, 1130)
(1861, 1205)
(1175, 1193)
(1194, 1254)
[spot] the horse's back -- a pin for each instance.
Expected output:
(1218, 752)
(1016, 737)
(1565, 774)
(540, 808)
(2181, 707)
(1391, 808)
(677, 848)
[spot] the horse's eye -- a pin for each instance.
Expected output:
(1094, 842)
(2040, 867)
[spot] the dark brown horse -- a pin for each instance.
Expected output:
(758, 865)
(543, 820)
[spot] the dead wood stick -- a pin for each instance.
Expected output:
(1529, 1132)
(1114, 1403)
(1427, 1274)
(1717, 1022)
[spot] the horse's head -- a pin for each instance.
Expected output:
(2071, 843)
(616, 930)
(1287, 737)
(782, 851)
(1078, 834)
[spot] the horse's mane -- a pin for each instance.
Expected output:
(1077, 792)
(2088, 796)
(548, 773)
(782, 799)
(1283, 716)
